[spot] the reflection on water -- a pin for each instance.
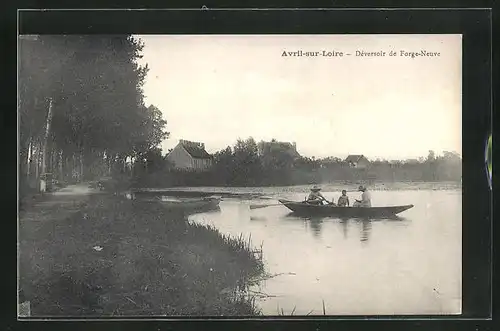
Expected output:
(356, 266)
(345, 226)
(257, 218)
(365, 230)
(314, 224)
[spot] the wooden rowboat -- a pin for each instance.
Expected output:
(208, 202)
(304, 208)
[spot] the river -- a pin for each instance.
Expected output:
(355, 267)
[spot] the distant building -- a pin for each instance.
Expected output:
(357, 161)
(395, 163)
(189, 155)
(265, 147)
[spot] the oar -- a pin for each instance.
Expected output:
(273, 204)
(264, 206)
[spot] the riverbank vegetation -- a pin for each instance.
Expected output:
(115, 257)
(244, 165)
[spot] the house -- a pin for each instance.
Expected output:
(412, 161)
(265, 147)
(357, 161)
(189, 155)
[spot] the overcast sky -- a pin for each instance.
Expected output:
(215, 89)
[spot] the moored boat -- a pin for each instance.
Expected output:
(307, 209)
(209, 202)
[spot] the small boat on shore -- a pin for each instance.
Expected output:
(195, 203)
(198, 193)
(304, 208)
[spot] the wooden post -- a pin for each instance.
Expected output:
(46, 155)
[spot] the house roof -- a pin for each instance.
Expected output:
(290, 148)
(196, 152)
(354, 158)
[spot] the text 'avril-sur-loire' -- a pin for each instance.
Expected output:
(359, 53)
(322, 53)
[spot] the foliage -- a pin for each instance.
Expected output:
(244, 165)
(95, 84)
(151, 161)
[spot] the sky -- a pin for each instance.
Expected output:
(218, 88)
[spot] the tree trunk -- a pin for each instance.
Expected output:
(67, 170)
(37, 161)
(73, 167)
(82, 168)
(124, 164)
(109, 163)
(91, 163)
(23, 163)
(30, 159)
(61, 165)
(54, 162)
(46, 166)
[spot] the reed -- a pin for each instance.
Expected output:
(281, 311)
(239, 245)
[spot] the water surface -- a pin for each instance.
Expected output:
(407, 266)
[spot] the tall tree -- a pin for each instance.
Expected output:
(95, 83)
(247, 164)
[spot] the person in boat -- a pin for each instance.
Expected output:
(366, 200)
(343, 200)
(315, 197)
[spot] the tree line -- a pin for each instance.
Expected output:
(81, 107)
(243, 164)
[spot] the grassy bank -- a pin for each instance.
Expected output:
(111, 256)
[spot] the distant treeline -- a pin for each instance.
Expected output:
(243, 165)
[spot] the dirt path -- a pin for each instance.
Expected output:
(58, 204)
(67, 196)
(75, 190)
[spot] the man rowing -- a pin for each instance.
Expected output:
(366, 199)
(315, 197)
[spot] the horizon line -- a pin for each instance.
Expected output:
(165, 152)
